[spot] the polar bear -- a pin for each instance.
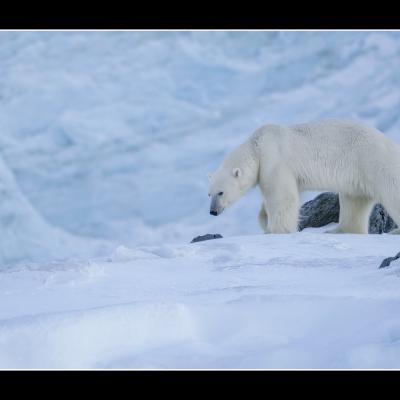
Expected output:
(357, 161)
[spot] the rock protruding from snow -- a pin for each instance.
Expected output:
(321, 211)
(386, 262)
(380, 221)
(324, 209)
(209, 236)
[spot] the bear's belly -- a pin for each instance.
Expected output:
(333, 180)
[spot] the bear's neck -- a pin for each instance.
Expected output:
(249, 163)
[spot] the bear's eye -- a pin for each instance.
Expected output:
(220, 193)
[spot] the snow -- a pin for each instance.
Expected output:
(305, 300)
(106, 139)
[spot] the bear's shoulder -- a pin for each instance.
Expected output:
(267, 131)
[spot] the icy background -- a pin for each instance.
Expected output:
(109, 136)
(106, 139)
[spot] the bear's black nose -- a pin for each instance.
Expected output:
(212, 212)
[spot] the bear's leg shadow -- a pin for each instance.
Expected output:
(281, 202)
(263, 218)
(354, 214)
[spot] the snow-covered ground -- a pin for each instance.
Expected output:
(106, 139)
(306, 300)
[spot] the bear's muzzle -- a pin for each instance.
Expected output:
(215, 208)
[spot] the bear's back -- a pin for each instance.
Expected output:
(344, 132)
(339, 152)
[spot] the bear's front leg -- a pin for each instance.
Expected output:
(283, 219)
(282, 203)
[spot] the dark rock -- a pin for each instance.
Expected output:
(386, 262)
(320, 211)
(325, 208)
(209, 236)
(380, 221)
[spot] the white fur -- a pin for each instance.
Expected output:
(358, 162)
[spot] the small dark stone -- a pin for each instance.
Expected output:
(386, 262)
(209, 236)
(325, 208)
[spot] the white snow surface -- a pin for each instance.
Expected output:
(106, 139)
(305, 300)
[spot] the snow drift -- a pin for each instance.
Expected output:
(305, 300)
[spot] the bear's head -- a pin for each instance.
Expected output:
(226, 187)
(237, 174)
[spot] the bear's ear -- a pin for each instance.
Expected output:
(209, 175)
(236, 172)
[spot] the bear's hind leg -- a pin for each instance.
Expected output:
(354, 214)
